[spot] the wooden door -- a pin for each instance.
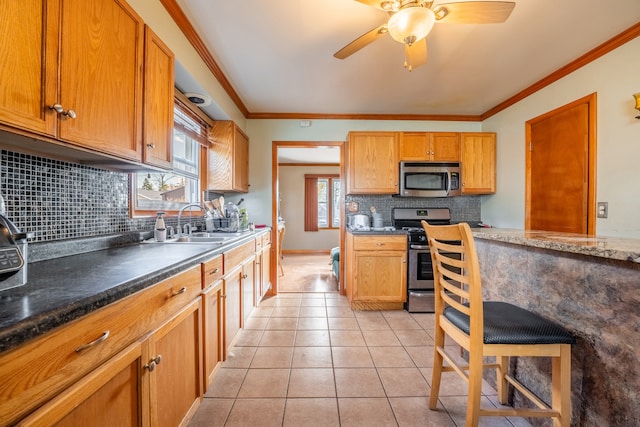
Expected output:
(414, 146)
(248, 297)
(560, 171)
(158, 102)
(176, 382)
(211, 332)
(240, 161)
(101, 51)
(232, 304)
(478, 163)
(28, 64)
(379, 276)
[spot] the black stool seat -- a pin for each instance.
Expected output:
(506, 323)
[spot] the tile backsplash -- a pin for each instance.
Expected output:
(58, 200)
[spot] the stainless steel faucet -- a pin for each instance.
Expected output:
(189, 205)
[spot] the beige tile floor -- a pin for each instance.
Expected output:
(307, 359)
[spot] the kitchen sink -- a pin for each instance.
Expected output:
(206, 238)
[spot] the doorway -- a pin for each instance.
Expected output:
(561, 169)
(308, 156)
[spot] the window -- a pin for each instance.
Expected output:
(322, 202)
(170, 190)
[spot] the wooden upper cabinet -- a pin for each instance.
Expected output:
(83, 57)
(29, 64)
(430, 146)
(228, 163)
(157, 131)
(101, 54)
(372, 163)
(478, 163)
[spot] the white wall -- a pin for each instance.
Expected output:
(291, 179)
(614, 77)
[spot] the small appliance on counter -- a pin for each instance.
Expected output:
(361, 222)
(13, 254)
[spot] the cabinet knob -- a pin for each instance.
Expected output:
(60, 110)
(151, 366)
(151, 146)
(100, 339)
(244, 276)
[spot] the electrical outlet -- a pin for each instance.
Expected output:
(603, 209)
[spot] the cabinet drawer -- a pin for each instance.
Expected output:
(38, 370)
(211, 271)
(380, 243)
(236, 255)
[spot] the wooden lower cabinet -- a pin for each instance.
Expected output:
(211, 332)
(248, 288)
(376, 271)
(265, 271)
(176, 382)
(156, 382)
(231, 308)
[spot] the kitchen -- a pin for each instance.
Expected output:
(504, 209)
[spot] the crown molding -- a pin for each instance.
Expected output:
(185, 26)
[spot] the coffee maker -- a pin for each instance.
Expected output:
(13, 252)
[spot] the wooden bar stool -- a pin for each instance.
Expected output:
(496, 329)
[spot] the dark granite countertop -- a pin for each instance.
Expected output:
(599, 246)
(373, 232)
(61, 290)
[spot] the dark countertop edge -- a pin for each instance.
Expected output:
(376, 232)
(556, 241)
(35, 326)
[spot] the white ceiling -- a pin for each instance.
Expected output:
(278, 57)
(278, 54)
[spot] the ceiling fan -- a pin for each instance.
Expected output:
(411, 20)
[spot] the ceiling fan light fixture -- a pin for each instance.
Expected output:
(411, 24)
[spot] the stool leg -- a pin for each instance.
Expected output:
(561, 386)
(437, 368)
(475, 388)
(503, 385)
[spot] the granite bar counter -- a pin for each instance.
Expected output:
(591, 286)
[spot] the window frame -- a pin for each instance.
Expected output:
(331, 178)
(201, 174)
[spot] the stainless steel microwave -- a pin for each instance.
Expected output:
(429, 179)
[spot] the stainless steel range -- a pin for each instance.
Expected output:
(420, 296)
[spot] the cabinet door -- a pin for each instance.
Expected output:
(101, 53)
(28, 64)
(445, 146)
(265, 282)
(108, 396)
(232, 303)
(248, 283)
(240, 161)
(157, 133)
(372, 164)
(176, 380)
(415, 146)
(211, 333)
(478, 163)
(380, 276)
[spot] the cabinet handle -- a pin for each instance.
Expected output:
(379, 244)
(151, 146)
(102, 337)
(244, 276)
(404, 261)
(182, 290)
(223, 296)
(215, 270)
(151, 366)
(60, 110)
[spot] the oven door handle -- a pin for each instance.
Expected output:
(423, 247)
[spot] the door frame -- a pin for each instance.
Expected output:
(274, 202)
(591, 101)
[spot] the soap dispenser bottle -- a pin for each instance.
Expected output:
(160, 231)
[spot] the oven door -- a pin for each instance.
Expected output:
(420, 274)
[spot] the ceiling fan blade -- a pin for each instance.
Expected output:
(476, 12)
(361, 42)
(415, 55)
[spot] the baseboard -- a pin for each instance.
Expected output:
(306, 251)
